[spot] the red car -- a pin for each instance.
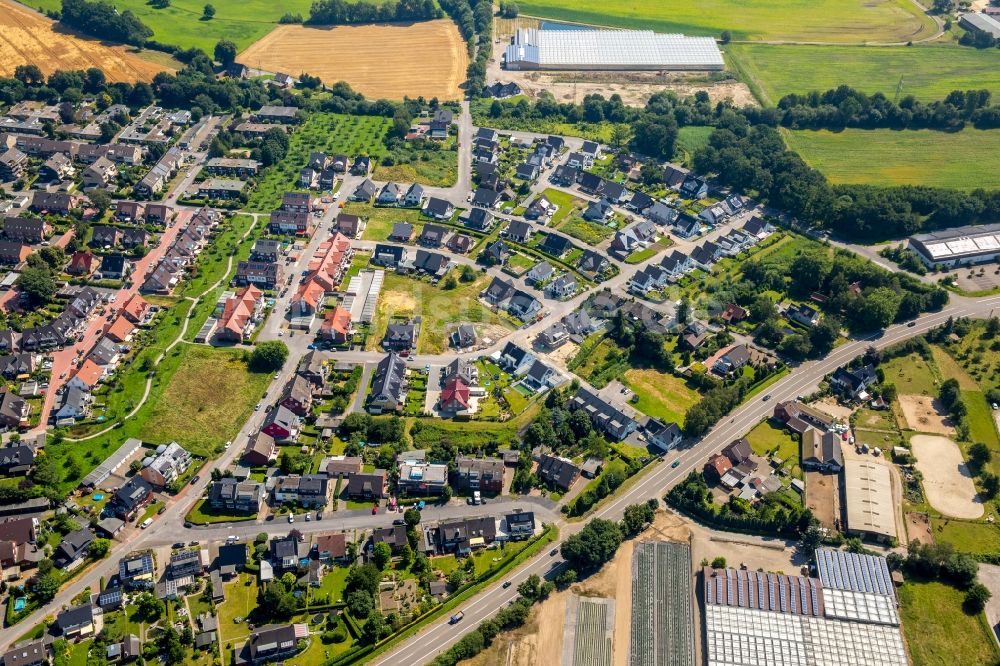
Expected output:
(374, 510)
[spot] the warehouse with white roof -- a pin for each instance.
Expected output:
(532, 48)
(958, 246)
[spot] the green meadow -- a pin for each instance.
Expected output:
(926, 72)
(836, 21)
(911, 157)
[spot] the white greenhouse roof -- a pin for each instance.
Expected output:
(623, 48)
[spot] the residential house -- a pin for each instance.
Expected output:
(664, 436)
(29, 653)
(517, 231)
(461, 243)
(599, 211)
(262, 274)
(331, 547)
(463, 536)
(640, 202)
(337, 326)
(281, 423)
(556, 471)
(499, 292)
(593, 263)
(414, 195)
(101, 173)
(171, 461)
(12, 164)
(554, 336)
(555, 246)
(227, 495)
(733, 314)
(565, 175)
(422, 478)
(56, 203)
(661, 213)
(464, 336)
(290, 222)
(694, 187)
(105, 236)
(495, 254)
(137, 570)
(115, 266)
(432, 235)
(220, 188)
(272, 643)
(455, 396)
(57, 167)
(515, 359)
(350, 225)
(12, 253)
(133, 238)
(26, 229)
(485, 198)
(539, 273)
(607, 418)
(388, 391)
(821, 451)
(805, 315)
(694, 335)
(14, 410)
(523, 305)
(799, 417)
(312, 490)
(539, 376)
(541, 209)
(400, 336)
(78, 621)
(260, 450)
(758, 227)
(500, 90)
(563, 287)
(854, 382)
(72, 548)
(479, 219)
(361, 166)
(732, 360)
(368, 485)
(15, 459)
(297, 202)
(389, 195)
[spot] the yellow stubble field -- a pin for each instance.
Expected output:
(30, 38)
(380, 61)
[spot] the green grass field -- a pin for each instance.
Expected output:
(206, 400)
(967, 536)
(927, 72)
(911, 374)
(690, 138)
(765, 438)
(837, 21)
(180, 24)
(589, 232)
(661, 395)
(914, 157)
(328, 132)
(938, 631)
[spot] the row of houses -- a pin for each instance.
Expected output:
(186, 247)
(675, 265)
(326, 270)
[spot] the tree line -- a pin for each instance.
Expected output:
(474, 19)
(846, 107)
(340, 12)
(101, 19)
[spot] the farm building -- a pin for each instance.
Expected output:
(958, 246)
(532, 48)
(981, 22)
(868, 492)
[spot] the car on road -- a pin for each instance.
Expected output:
(399, 521)
(146, 523)
(308, 518)
(319, 515)
(421, 505)
(767, 396)
(291, 518)
(506, 584)
(195, 479)
(911, 324)
(228, 444)
(188, 524)
(256, 407)
(675, 463)
(162, 509)
(456, 618)
(374, 510)
(553, 552)
(179, 545)
(270, 517)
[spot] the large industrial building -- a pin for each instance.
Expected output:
(754, 618)
(868, 495)
(533, 48)
(958, 246)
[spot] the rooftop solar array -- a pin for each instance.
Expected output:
(853, 571)
(612, 48)
(743, 588)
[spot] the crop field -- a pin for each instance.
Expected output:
(910, 157)
(926, 72)
(243, 22)
(380, 61)
(837, 21)
(662, 631)
(328, 132)
(27, 38)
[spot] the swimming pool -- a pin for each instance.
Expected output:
(19, 604)
(98, 497)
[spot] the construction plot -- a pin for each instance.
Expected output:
(590, 626)
(947, 480)
(662, 622)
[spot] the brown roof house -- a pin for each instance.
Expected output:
(557, 471)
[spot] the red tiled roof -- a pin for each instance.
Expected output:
(90, 373)
(121, 329)
(455, 390)
(337, 320)
(239, 309)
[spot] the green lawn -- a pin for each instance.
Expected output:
(203, 514)
(841, 21)
(328, 132)
(78, 653)
(589, 232)
(691, 138)
(180, 23)
(909, 157)
(567, 204)
(206, 401)
(381, 220)
(640, 256)
(661, 395)
(437, 168)
(927, 72)
(404, 296)
(765, 438)
(241, 599)
(967, 536)
(938, 631)
(911, 374)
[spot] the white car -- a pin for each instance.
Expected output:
(146, 523)
(228, 444)
(291, 518)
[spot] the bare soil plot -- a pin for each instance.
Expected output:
(28, 38)
(830, 406)
(947, 480)
(926, 414)
(918, 526)
(389, 60)
(822, 497)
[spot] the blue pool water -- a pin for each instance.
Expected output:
(98, 497)
(19, 604)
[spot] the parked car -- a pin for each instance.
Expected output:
(291, 518)
(179, 544)
(374, 510)
(146, 523)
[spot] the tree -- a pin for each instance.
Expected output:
(99, 548)
(636, 517)
(683, 311)
(811, 539)
(100, 199)
(268, 356)
(360, 603)
(46, 586)
(225, 52)
(719, 563)
(38, 284)
(530, 588)
(456, 578)
(990, 483)
(412, 517)
(979, 455)
(375, 629)
(170, 646)
(726, 37)
(382, 554)
(209, 12)
(365, 577)
(976, 598)
(150, 608)
(592, 546)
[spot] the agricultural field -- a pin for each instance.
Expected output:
(206, 400)
(327, 132)
(406, 297)
(910, 157)
(926, 72)
(27, 38)
(180, 24)
(836, 21)
(376, 60)
(938, 631)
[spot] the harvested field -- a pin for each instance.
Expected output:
(29, 38)
(926, 414)
(947, 480)
(918, 526)
(380, 61)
